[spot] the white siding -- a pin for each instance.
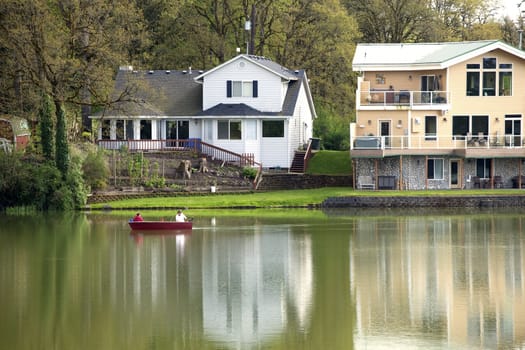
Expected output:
(270, 87)
(275, 151)
(303, 112)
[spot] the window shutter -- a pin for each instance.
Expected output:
(228, 88)
(255, 89)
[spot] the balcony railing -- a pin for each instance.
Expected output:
(437, 142)
(380, 98)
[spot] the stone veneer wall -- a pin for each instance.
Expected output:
(414, 176)
(425, 202)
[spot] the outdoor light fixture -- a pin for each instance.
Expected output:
(369, 122)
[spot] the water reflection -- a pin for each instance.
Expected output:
(306, 280)
(445, 281)
(251, 282)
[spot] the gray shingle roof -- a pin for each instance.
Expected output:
(177, 93)
(234, 109)
(163, 93)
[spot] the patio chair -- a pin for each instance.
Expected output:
(366, 183)
(498, 182)
(470, 140)
(476, 182)
(481, 139)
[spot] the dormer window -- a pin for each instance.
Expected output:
(238, 88)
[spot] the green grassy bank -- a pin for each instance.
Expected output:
(289, 198)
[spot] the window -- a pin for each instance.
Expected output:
(241, 88)
(460, 126)
(464, 124)
(121, 129)
(483, 168)
(430, 127)
(496, 80)
(505, 83)
(106, 129)
(480, 125)
(472, 83)
(489, 63)
(435, 169)
(489, 83)
(273, 128)
(229, 130)
(145, 129)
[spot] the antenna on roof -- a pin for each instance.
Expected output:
(247, 28)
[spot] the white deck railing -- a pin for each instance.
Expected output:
(403, 98)
(436, 142)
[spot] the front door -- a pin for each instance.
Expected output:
(384, 132)
(177, 130)
(455, 173)
(512, 131)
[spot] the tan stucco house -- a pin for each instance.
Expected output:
(439, 116)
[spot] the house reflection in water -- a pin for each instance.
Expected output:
(254, 288)
(459, 279)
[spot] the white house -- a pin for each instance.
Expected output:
(247, 105)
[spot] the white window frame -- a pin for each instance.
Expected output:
(242, 88)
(441, 171)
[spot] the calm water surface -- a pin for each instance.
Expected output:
(300, 280)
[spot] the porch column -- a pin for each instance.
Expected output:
(154, 130)
(376, 169)
(426, 173)
(519, 172)
(400, 173)
(492, 173)
(353, 172)
(99, 131)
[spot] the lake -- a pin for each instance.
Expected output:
(265, 279)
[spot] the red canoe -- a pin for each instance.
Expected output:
(160, 225)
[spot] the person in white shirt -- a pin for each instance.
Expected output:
(180, 217)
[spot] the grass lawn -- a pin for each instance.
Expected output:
(275, 199)
(330, 163)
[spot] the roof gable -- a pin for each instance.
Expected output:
(423, 55)
(263, 62)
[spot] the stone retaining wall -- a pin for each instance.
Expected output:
(425, 202)
(288, 181)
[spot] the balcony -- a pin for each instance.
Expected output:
(373, 99)
(480, 146)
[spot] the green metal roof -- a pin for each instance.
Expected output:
(423, 55)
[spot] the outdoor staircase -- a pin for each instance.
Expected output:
(298, 162)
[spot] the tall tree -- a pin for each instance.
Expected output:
(391, 21)
(320, 36)
(69, 49)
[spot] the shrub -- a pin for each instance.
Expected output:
(95, 170)
(249, 172)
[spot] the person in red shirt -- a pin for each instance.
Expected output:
(138, 217)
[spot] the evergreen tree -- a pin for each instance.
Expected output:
(62, 152)
(46, 127)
